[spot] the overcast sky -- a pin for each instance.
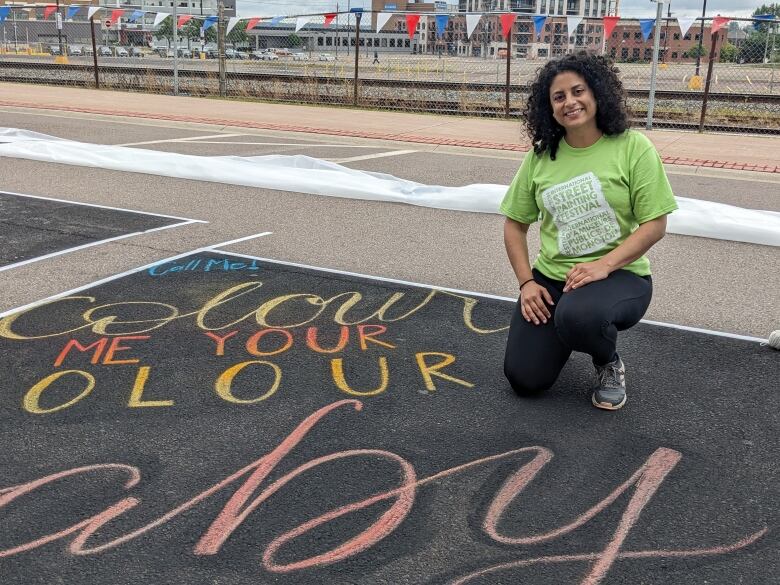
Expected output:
(628, 8)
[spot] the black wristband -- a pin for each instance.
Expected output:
(526, 282)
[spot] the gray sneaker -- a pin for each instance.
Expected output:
(610, 392)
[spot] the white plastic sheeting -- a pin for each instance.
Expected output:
(304, 174)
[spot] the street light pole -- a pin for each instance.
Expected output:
(701, 37)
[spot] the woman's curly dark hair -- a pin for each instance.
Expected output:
(602, 78)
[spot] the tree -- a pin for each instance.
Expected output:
(728, 53)
(165, 31)
(695, 51)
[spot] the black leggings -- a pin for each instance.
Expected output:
(586, 319)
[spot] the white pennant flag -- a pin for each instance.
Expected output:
(93, 10)
(159, 17)
(472, 20)
(572, 22)
(301, 21)
(231, 23)
(685, 23)
(381, 20)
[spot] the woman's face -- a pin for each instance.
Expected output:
(573, 102)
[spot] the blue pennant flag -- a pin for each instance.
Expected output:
(72, 10)
(276, 20)
(209, 22)
(441, 24)
(538, 25)
(647, 25)
(764, 17)
(135, 16)
(4, 12)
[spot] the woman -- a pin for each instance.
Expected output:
(601, 194)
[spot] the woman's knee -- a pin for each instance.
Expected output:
(527, 382)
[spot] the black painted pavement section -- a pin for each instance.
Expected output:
(32, 227)
(698, 435)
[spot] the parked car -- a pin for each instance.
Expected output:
(136, 52)
(75, 50)
(121, 52)
(233, 54)
(104, 51)
(326, 57)
(300, 57)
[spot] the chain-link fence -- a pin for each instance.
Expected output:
(729, 80)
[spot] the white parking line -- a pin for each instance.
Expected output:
(370, 156)
(187, 219)
(89, 245)
(467, 292)
(132, 271)
(188, 139)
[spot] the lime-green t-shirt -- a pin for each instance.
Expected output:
(589, 200)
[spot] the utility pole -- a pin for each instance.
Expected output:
(701, 37)
(175, 50)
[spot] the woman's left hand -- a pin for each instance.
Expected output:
(585, 273)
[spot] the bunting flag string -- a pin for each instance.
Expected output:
(719, 22)
(135, 16)
(47, 12)
(159, 18)
(232, 22)
(685, 23)
(4, 12)
(183, 19)
(472, 20)
(209, 22)
(507, 22)
(609, 25)
(91, 12)
(115, 14)
(72, 11)
(538, 25)
(381, 20)
(646, 24)
(411, 24)
(572, 22)
(441, 24)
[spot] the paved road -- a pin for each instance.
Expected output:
(720, 285)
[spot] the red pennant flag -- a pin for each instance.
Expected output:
(252, 23)
(328, 19)
(717, 23)
(48, 10)
(183, 19)
(115, 14)
(609, 24)
(507, 21)
(411, 23)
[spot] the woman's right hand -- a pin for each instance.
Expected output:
(532, 303)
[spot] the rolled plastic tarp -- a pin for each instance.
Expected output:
(303, 174)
